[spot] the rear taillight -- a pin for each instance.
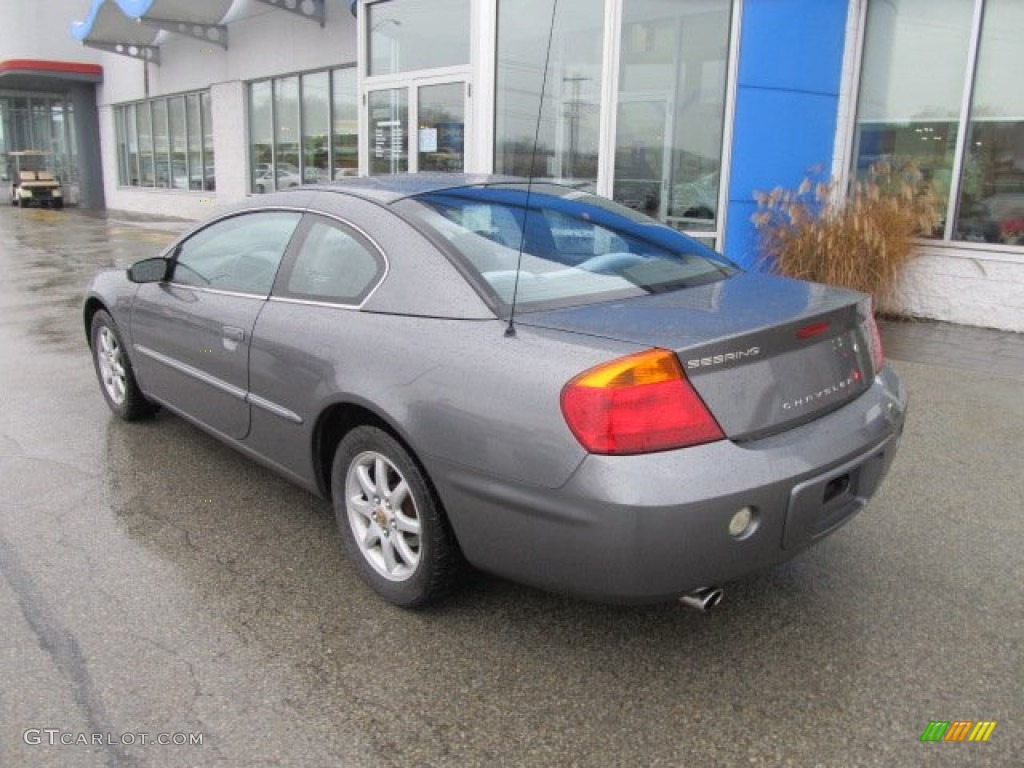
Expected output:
(875, 340)
(637, 404)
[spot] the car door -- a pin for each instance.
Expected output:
(191, 333)
(331, 269)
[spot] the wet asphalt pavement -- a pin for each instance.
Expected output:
(156, 586)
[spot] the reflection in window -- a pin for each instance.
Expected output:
(132, 143)
(161, 146)
(303, 129)
(165, 142)
(567, 146)
(442, 127)
(241, 253)
(286, 134)
(405, 35)
(146, 168)
(672, 80)
(389, 131)
(316, 127)
(209, 159)
(193, 139)
(46, 122)
(346, 123)
(332, 265)
(178, 142)
(992, 182)
(909, 112)
(261, 137)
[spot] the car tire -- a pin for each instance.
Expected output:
(58, 204)
(392, 525)
(114, 371)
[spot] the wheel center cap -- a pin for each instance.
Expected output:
(381, 517)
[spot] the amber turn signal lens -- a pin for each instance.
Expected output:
(637, 404)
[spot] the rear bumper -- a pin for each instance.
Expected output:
(653, 527)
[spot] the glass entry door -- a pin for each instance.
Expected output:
(419, 126)
(642, 153)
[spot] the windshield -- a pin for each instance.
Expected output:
(577, 248)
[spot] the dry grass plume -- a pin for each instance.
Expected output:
(863, 242)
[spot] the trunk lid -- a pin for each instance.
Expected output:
(765, 353)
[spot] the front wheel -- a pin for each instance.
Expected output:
(114, 370)
(391, 523)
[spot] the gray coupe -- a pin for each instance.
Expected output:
(525, 377)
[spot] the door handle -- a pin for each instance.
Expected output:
(231, 333)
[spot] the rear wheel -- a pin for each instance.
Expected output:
(114, 371)
(391, 523)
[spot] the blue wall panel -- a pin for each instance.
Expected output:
(790, 68)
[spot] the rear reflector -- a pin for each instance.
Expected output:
(637, 404)
(816, 329)
(875, 340)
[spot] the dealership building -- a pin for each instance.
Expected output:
(681, 108)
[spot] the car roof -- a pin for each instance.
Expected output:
(390, 188)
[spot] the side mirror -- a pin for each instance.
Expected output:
(149, 270)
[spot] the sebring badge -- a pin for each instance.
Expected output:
(727, 357)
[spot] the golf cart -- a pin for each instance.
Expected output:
(32, 180)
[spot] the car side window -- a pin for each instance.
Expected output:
(240, 253)
(332, 264)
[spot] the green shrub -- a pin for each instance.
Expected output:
(862, 242)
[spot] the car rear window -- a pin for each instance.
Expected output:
(564, 248)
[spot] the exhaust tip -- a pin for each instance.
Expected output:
(703, 599)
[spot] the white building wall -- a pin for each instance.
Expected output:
(20, 36)
(262, 42)
(961, 286)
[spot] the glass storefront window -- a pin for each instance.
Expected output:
(991, 205)
(286, 133)
(177, 143)
(316, 128)
(209, 159)
(132, 144)
(671, 114)
(345, 130)
(303, 129)
(406, 35)
(161, 144)
(261, 137)
(146, 175)
(912, 84)
(194, 137)
(568, 139)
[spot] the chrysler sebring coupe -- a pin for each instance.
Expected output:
(524, 377)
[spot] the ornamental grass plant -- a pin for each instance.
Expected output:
(862, 242)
